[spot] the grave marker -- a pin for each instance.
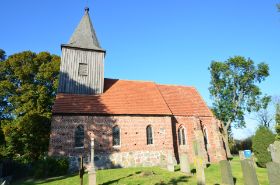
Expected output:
(249, 172)
(226, 173)
(200, 175)
(92, 173)
(184, 164)
(273, 170)
(274, 149)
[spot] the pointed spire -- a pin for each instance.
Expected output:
(84, 35)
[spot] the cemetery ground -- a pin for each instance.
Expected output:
(151, 176)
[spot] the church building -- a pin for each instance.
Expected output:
(135, 123)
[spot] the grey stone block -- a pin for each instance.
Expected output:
(249, 172)
(226, 173)
(184, 164)
(274, 150)
(273, 171)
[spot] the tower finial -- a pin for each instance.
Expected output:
(86, 9)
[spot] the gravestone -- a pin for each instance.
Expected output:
(184, 164)
(274, 150)
(200, 175)
(273, 170)
(170, 164)
(92, 173)
(249, 172)
(226, 174)
(241, 155)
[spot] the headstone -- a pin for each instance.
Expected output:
(249, 172)
(226, 174)
(274, 149)
(92, 173)
(241, 155)
(273, 170)
(200, 175)
(170, 164)
(184, 164)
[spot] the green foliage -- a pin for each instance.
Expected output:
(2, 55)
(234, 89)
(28, 83)
(50, 167)
(277, 121)
(262, 139)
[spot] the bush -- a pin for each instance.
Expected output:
(50, 167)
(262, 139)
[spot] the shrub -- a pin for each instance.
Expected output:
(262, 139)
(50, 167)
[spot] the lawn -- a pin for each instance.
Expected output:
(152, 176)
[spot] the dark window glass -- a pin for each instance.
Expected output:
(149, 133)
(182, 136)
(79, 136)
(116, 136)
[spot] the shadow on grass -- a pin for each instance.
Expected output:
(116, 180)
(174, 181)
(56, 178)
(41, 181)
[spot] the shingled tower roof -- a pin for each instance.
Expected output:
(84, 35)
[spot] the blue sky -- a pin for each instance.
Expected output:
(166, 41)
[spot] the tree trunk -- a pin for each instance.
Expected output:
(225, 138)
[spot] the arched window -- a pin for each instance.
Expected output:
(182, 136)
(205, 134)
(149, 133)
(116, 136)
(79, 136)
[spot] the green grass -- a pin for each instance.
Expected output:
(151, 176)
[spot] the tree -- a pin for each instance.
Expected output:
(263, 117)
(277, 121)
(234, 90)
(28, 83)
(262, 139)
(2, 55)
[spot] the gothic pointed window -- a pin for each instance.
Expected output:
(116, 136)
(149, 133)
(79, 136)
(182, 136)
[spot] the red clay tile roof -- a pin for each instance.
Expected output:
(135, 97)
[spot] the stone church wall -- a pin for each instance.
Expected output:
(133, 149)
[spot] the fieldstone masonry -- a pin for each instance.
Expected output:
(133, 150)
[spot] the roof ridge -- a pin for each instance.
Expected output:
(189, 86)
(130, 80)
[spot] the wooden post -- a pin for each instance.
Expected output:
(82, 170)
